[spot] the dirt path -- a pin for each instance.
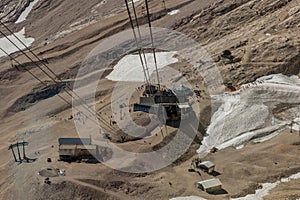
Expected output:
(111, 193)
(218, 27)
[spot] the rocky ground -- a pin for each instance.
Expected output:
(247, 39)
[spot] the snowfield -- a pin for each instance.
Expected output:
(173, 12)
(266, 188)
(129, 68)
(10, 48)
(26, 12)
(247, 114)
(259, 193)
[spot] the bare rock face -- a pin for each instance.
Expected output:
(10, 10)
(35, 96)
(261, 36)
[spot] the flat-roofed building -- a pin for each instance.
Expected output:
(211, 185)
(77, 149)
(207, 166)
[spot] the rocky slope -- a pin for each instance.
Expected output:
(11, 10)
(261, 37)
(247, 39)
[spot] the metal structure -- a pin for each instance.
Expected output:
(42, 64)
(20, 158)
(162, 101)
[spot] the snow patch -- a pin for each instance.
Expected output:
(245, 115)
(188, 198)
(259, 193)
(296, 124)
(242, 139)
(26, 12)
(173, 12)
(134, 1)
(280, 79)
(266, 188)
(129, 68)
(10, 48)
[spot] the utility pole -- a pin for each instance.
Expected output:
(164, 5)
(24, 155)
(162, 133)
(16, 145)
(12, 150)
(20, 159)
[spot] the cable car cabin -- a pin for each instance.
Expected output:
(153, 99)
(150, 89)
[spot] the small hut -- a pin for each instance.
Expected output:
(77, 149)
(207, 166)
(210, 186)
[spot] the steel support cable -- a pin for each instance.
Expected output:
(45, 72)
(81, 100)
(53, 73)
(42, 82)
(50, 70)
(42, 62)
(140, 38)
(152, 41)
(136, 41)
(53, 79)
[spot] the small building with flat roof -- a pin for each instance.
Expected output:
(74, 141)
(210, 186)
(77, 149)
(207, 166)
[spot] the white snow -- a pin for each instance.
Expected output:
(130, 69)
(266, 188)
(246, 115)
(26, 12)
(296, 124)
(134, 1)
(259, 193)
(72, 28)
(173, 12)
(240, 140)
(10, 48)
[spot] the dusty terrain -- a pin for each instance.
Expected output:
(263, 38)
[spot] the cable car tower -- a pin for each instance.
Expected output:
(163, 101)
(20, 158)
